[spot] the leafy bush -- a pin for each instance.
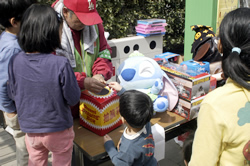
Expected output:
(120, 18)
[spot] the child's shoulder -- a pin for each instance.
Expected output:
(59, 59)
(8, 41)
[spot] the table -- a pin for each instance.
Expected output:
(91, 145)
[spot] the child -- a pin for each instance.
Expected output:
(222, 136)
(11, 12)
(43, 86)
(136, 145)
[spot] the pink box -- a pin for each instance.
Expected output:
(150, 30)
(144, 26)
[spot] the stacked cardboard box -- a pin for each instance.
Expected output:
(192, 90)
(150, 27)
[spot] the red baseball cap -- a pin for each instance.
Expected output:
(85, 10)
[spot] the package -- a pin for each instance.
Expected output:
(169, 56)
(150, 30)
(188, 109)
(189, 87)
(151, 21)
(194, 68)
(145, 26)
(150, 27)
(213, 83)
(100, 112)
(150, 34)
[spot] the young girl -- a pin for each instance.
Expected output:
(43, 87)
(222, 136)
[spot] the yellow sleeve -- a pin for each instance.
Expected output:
(207, 144)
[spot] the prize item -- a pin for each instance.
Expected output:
(204, 47)
(188, 109)
(144, 74)
(100, 112)
(150, 27)
(189, 87)
(169, 57)
(194, 68)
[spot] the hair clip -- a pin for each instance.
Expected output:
(59, 17)
(236, 49)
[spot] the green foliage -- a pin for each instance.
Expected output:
(120, 18)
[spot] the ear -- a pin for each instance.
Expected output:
(65, 12)
(219, 47)
(13, 22)
(123, 120)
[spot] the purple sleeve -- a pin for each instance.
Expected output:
(70, 88)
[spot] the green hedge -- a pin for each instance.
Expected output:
(120, 18)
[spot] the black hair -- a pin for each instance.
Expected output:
(39, 31)
(187, 147)
(136, 108)
(234, 32)
(13, 8)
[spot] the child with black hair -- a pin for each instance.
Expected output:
(136, 146)
(43, 86)
(11, 12)
(222, 136)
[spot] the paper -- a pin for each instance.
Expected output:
(159, 138)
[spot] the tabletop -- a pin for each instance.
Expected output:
(92, 145)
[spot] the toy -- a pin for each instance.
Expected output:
(188, 109)
(204, 48)
(189, 87)
(194, 68)
(144, 74)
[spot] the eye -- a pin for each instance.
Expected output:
(146, 69)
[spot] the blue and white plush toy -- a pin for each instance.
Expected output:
(144, 74)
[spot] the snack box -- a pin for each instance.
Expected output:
(213, 83)
(151, 21)
(144, 26)
(188, 109)
(150, 31)
(100, 112)
(195, 68)
(168, 56)
(189, 87)
(150, 34)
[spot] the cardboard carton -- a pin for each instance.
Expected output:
(189, 87)
(195, 68)
(188, 109)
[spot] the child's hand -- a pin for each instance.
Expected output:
(115, 85)
(118, 145)
(106, 138)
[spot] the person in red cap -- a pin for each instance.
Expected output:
(84, 44)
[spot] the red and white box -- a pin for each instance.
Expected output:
(189, 87)
(100, 112)
(188, 109)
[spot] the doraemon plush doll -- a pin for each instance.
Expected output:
(144, 74)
